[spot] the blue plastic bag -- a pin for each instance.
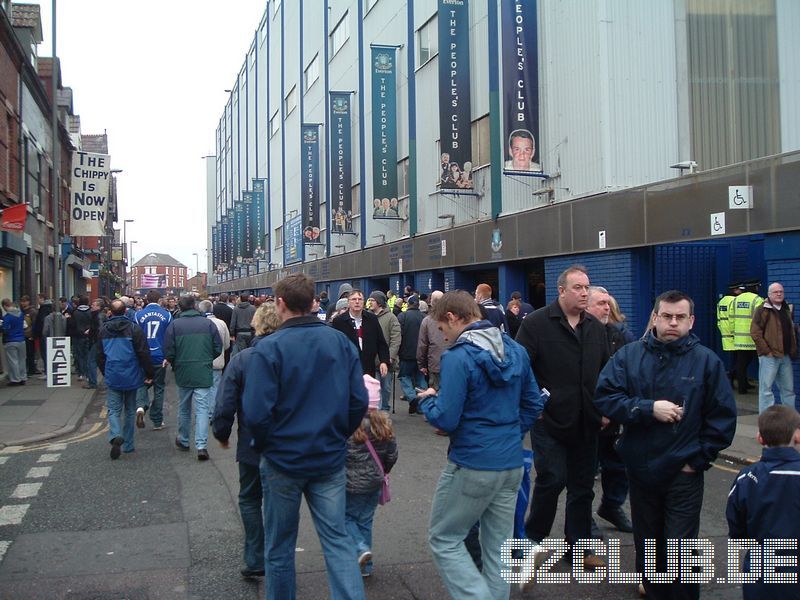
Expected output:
(524, 495)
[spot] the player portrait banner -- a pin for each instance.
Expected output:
(293, 240)
(310, 183)
(89, 207)
(341, 167)
(455, 135)
(259, 215)
(520, 64)
(248, 223)
(384, 133)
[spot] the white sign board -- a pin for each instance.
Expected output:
(89, 206)
(718, 223)
(601, 239)
(740, 196)
(59, 373)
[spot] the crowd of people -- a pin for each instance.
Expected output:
(650, 412)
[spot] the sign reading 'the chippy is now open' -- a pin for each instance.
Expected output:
(89, 208)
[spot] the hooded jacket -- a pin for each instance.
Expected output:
(191, 344)
(363, 476)
(430, 345)
(410, 322)
(685, 372)
(390, 327)
(81, 321)
(488, 399)
(13, 326)
(122, 354)
(241, 318)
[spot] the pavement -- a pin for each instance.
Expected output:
(34, 413)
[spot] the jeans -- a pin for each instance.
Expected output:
(15, 361)
(464, 496)
(613, 477)
(119, 402)
(82, 355)
(201, 406)
(216, 377)
(250, 498)
(411, 377)
(778, 371)
(666, 512)
(91, 364)
(387, 383)
(143, 396)
(359, 512)
(325, 497)
(242, 342)
(559, 465)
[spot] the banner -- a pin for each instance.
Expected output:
(247, 216)
(341, 167)
(13, 218)
(259, 217)
(153, 281)
(455, 128)
(117, 253)
(310, 184)
(384, 133)
(520, 56)
(215, 245)
(90, 175)
(293, 240)
(225, 246)
(238, 230)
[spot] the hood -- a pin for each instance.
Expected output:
(243, 305)
(84, 308)
(488, 302)
(14, 312)
(489, 351)
(345, 288)
(770, 305)
(117, 325)
(679, 346)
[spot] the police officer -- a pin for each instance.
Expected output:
(725, 323)
(741, 313)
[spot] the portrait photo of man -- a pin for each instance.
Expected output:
(521, 151)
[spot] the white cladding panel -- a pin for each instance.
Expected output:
(788, 24)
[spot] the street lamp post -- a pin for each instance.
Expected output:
(131, 258)
(196, 263)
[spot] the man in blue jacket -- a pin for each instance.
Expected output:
(675, 403)
(123, 357)
(487, 402)
(300, 418)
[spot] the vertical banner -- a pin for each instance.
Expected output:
(520, 56)
(238, 230)
(341, 167)
(58, 370)
(310, 184)
(384, 133)
(455, 133)
(89, 207)
(248, 224)
(259, 217)
(226, 249)
(215, 245)
(293, 240)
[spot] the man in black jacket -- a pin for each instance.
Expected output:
(364, 330)
(567, 348)
(410, 375)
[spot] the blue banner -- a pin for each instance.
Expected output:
(227, 250)
(455, 127)
(247, 215)
(384, 133)
(341, 167)
(259, 218)
(215, 245)
(520, 56)
(293, 240)
(238, 230)
(310, 184)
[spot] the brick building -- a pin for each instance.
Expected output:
(160, 272)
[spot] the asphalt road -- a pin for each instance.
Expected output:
(158, 523)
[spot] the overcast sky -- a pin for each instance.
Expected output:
(153, 75)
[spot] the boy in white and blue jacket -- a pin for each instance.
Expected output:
(764, 501)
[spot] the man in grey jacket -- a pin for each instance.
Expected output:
(391, 332)
(241, 333)
(430, 345)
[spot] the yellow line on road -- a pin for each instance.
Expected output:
(728, 469)
(95, 430)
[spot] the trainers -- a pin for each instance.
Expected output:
(529, 567)
(202, 454)
(181, 446)
(364, 558)
(248, 572)
(140, 417)
(158, 427)
(617, 517)
(115, 447)
(89, 386)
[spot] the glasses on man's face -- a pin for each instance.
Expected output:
(669, 318)
(356, 300)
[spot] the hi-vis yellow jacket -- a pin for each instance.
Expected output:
(741, 313)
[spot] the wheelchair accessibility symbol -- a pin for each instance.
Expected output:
(740, 197)
(718, 223)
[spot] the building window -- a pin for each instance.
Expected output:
(370, 4)
(276, 6)
(311, 74)
(340, 34)
(37, 269)
(274, 123)
(279, 236)
(481, 151)
(290, 102)
(428, 41)
(263, 31)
